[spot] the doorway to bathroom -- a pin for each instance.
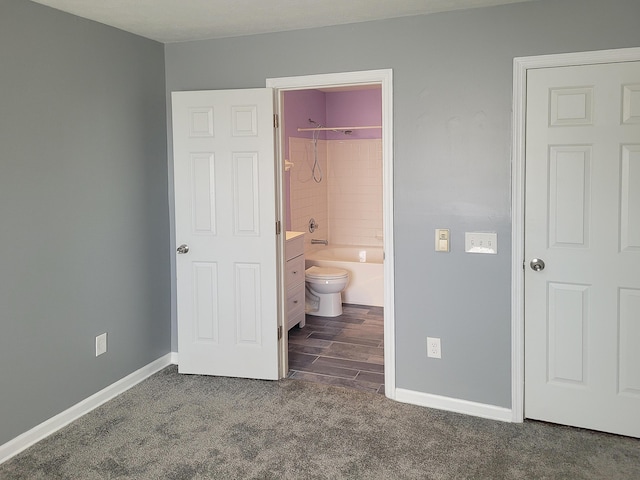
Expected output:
(336, 179)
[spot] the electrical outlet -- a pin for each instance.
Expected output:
(101, 344)
(433, 347)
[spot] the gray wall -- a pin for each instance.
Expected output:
(84, 221)
(452, 94)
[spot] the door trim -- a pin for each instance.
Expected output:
(520, 67)
(385, 79)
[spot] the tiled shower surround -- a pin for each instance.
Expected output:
(347, 203)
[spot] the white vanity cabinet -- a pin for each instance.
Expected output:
(294, 278)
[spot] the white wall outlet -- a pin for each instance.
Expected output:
(433, 347)
(101, 344)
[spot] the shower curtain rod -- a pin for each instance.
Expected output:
(337, 128)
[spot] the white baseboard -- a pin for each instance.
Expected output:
(174, 358)
(454, 405)
(46, 428)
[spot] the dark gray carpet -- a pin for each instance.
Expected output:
(174, 426)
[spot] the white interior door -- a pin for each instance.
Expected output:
(582, 311)
(225, 210)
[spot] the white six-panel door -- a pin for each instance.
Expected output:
(224, 176)
(582, 311)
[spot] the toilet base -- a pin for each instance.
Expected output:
(328, 305)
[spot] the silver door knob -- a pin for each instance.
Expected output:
(537, 264)
(184, 248)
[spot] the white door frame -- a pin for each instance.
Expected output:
(383, 78)
(520, 67)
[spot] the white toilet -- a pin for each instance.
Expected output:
(324, 286)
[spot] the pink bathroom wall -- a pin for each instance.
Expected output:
(333, 109)
(348, 108)
(354, 108)
(299, 107)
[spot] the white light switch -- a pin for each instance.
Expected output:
(481, 242)
(442, 240)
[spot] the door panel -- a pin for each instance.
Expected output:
(629, 382)
(582, 314)
(630, 198)
(224, 175)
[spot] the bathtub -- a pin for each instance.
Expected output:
(366, 276)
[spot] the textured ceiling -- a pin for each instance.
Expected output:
(171, 21)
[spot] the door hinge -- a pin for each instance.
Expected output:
(276, 122)
(279, 332)
(278, 227)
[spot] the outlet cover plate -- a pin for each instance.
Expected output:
(433, 347)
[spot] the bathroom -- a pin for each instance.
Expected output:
(334, 186)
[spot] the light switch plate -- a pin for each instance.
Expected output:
(442, 239)
(481, 242)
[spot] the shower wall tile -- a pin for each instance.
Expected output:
(308, 198)
(355, 191)
(347, 204)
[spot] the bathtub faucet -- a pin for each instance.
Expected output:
(317, 241)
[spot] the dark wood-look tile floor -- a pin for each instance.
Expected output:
(346, 351)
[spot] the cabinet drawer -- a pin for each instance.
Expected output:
(294, 247)
(295, 301)
(294, 271)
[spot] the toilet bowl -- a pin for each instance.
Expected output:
(324, 286)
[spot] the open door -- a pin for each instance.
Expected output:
(226, 266)
(582, 246)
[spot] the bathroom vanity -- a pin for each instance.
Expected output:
(294, 278)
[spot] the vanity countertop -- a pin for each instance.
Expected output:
(292, 235)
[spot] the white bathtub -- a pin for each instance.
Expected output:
(366, 278)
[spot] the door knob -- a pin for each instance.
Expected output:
(537, 264)
(184, 248)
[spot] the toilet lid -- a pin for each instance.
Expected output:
(326, 273)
